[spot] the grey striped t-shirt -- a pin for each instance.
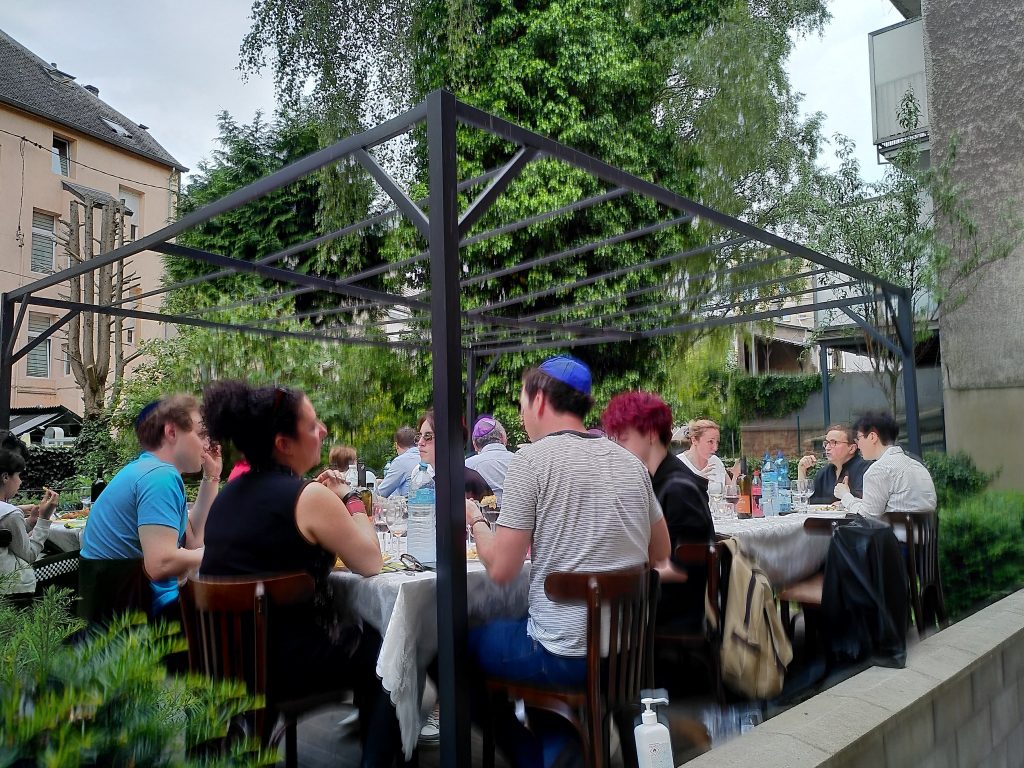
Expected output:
(590, 505)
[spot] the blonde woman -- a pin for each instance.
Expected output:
(700, 456)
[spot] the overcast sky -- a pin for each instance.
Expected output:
(172, 64)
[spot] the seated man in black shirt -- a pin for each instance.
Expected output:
(845, 464)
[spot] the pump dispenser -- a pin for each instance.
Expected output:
(653, 744)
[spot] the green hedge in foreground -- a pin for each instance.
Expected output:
(981, 549)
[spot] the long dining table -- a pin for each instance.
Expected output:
(780, 545)
(402, 606)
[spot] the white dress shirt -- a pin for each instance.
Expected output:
(894, 483)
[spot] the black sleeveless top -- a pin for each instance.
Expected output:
(251, 529)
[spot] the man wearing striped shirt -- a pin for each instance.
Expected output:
(577, 502)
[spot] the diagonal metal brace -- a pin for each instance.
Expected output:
(509, 173)
(396, 193)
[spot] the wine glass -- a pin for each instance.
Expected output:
(380, 522)
(732, 493)
(803, 493)
(491, 516)
(716, 490)
(397, 516)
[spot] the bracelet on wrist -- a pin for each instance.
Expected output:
(478, 519)
(209, 478)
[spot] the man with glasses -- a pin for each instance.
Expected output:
(575, 501)
(895, 482)
(845, 464)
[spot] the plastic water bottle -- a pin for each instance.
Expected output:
(653, 743)
(422, 542)
(769, 487)
(782, 473)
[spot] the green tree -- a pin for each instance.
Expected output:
(359, 392)
(590, 74)
(904, 228)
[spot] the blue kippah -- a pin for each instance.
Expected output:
(568, 370)
(146, 410)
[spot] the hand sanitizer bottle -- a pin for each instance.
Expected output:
(653, 745)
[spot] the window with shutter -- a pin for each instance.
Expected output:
(38, 358)
(61, 156)
(44, 242)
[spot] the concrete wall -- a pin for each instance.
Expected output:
(975, 68)
(39, 188)
(958, 702)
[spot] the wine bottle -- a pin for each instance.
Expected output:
(97, 485)
(743, 506)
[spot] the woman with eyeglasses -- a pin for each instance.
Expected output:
(273, 520)
(25, 548)
(476, 487)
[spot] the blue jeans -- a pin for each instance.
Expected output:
(503, 649)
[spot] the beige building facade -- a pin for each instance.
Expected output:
(59, 142)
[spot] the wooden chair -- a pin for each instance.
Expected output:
(807, 592)
(926, 596)
(613, 683)
(706, 644)
(227, 625)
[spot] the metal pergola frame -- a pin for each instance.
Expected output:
(484, 333)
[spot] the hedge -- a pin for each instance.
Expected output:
(772, 396)
(981, 549)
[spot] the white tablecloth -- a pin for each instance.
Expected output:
(66, 539)
(780, 546)
(402, 606)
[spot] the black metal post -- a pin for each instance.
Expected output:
(446, 348)
(6, 348)
(905, 331)
(823, 365)
(470, 397)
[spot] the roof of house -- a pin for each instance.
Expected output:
(30, 84)
(28, 419)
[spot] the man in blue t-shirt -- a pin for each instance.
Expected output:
(142, 513)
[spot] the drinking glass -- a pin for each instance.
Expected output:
(491, 516)
(397, 516)
(803, 493)
(732, 493)
(380, 522)
(716, 490)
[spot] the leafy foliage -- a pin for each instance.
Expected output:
(956, 477)
(95, 448)
(699, 387)
(106, 700)
(981, 549)
(48, 465)
(913, 229)
(772, 395)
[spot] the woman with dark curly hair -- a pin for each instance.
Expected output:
(642, 423)
(273, 520)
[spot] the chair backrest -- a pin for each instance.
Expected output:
(60, 570)
(107, 588)
(227, 623)
(922, 534)
(623, 597)
(706, 555)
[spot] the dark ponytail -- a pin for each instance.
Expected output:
(251, 417)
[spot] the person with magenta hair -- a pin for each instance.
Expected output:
(274, 520)
(642, 423)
